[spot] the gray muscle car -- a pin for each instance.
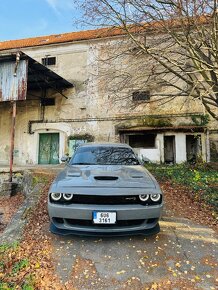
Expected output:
(105, 190)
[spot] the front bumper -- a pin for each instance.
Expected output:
(77, 219)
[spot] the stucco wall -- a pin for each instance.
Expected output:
(89, 107)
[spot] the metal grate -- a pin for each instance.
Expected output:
(119, 223)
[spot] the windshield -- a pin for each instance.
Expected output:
(104, 156)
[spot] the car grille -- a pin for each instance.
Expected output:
(102, 200)
(107, 200)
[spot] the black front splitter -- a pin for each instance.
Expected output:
(62, 232)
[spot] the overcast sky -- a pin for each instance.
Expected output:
(30, 18)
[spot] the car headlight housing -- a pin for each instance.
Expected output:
(56, 196)
(67, 196)
(144, 197)
(155, 197)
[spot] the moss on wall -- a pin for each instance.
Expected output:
(156, 122)
(200, 120)
(88, 137)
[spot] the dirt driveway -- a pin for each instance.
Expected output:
(182, 256)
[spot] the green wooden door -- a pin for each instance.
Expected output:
(49, 148)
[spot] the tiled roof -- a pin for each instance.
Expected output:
(98, 33)
(61, 38)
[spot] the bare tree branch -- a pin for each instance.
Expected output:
(164, 44)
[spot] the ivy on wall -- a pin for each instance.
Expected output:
(200, 120)
(87, 137)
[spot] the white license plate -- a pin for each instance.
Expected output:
(104, 217)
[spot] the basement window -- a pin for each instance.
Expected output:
(141, 96)
(49, 61)
(48, 102)
(142, 141)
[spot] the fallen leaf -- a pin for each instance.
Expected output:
(121, 272)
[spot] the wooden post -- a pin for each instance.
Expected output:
(12, 138)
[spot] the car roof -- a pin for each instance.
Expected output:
(105, 144)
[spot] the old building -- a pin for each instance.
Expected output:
(62, 99)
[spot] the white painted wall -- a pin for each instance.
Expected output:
(180, 144)
(156, 155)
(152, 154)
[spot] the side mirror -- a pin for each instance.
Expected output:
(64, 158)
(145, 160)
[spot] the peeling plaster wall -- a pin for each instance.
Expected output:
(23, 141)
(79, 63)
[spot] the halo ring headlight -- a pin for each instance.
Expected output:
(56, 196)
(155, 197)
(67, 196)
(144, 197)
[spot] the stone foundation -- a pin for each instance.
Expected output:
(8, 188)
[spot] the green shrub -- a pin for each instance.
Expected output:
(199, 178)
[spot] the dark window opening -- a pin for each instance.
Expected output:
(49, 61)
(141, 96)
(48, 102)
(142, 141)
(169, 149)
(193, 147)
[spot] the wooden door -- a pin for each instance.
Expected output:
(49, 148)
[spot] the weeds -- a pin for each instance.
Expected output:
(20, 265)
(202, 181)
(12, 267)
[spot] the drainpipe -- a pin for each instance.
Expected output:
(14, 108)
(17, 63)
(207, 146)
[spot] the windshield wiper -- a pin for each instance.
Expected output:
(81, 163)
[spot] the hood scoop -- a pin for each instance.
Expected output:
(74, 174)
(106, 178)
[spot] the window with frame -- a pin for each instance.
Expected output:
(49, 61)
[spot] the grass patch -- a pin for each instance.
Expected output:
(202, 181)
(39, 178)
(13, 269)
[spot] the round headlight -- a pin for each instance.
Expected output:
(155, 197)
(56, 196)
(67, 196)
(144, 197)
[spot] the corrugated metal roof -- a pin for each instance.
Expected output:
(13, 86)
(16, 77)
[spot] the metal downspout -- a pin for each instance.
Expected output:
(207, 146)
(14, 106)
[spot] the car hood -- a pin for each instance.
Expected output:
(104, 176)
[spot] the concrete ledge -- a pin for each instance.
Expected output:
(14, 229)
